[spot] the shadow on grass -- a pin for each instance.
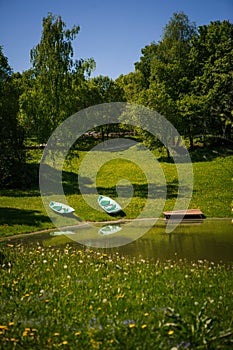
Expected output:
(51, 178)
(71, 183)
(141, 190)
(12, 216)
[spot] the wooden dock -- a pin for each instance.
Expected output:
(184, 214)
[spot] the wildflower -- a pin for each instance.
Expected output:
(170, 332)
(5, 328)
(14, 340)
(65, 342)
(132, 325)
(56, 334)
(143, 326)
(146, 314)
(11, 323)
(44, 261)
(77, 333)
(65, 266)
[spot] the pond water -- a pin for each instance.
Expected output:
(209, 239)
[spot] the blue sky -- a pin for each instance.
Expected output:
(112, 32)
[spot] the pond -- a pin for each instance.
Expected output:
(209, 239)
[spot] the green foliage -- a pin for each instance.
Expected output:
(188, 78)
(212, 58)
(12, 155)
(54, 81)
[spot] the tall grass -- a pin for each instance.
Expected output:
(85, 299)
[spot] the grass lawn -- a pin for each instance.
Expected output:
(84, 299)
(22, 211)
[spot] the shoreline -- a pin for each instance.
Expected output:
(86, 223)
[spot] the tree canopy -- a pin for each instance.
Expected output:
(187, 77)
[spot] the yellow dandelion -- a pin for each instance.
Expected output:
(27, 329)
(170, 332)
(14, 340)
(11, 323)
(65, 342)
(131, 325)
(77, 333)
(146, 314)
(56, 334)
(25, 333)
(143, 326)
(5, 328)
(15, 282)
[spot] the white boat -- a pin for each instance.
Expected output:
(109, 205)
(61, 208)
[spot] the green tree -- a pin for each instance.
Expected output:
(50, 87)
(12, 155)
(212, 58)
(106, 90)
(165, 70)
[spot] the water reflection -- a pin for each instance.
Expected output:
(211, 239)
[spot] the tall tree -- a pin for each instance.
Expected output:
(212, 57)
(12, 155)
(49, 98)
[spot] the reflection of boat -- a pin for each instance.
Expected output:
(59, 233)
(109, 229)
(109, 205)
(61, 208)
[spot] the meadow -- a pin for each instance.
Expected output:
(22, 210)
(73, 298)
